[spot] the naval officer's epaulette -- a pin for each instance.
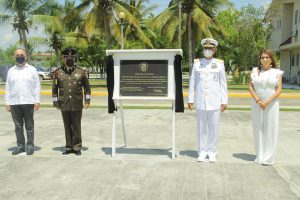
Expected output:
(219, 60)
(196, 60)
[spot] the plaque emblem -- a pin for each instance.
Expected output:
(143, 67)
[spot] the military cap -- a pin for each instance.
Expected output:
(209, 42)
(69, 51)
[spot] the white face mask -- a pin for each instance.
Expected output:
(208, 53)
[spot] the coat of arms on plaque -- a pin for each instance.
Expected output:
(143, 67)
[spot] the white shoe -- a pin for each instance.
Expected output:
(212, 157)
(202, 156)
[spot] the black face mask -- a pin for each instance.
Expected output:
(20, 59)
(70, 62)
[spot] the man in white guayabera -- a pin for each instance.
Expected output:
(22, 97)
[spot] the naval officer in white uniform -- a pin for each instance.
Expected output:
(208, 91)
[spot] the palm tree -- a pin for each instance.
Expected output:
(138, 36)
(197, 20)
(103, 15)
(55, 25)
(19, 13)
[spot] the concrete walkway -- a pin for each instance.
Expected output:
(143, 169)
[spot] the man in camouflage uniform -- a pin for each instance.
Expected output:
(67, 95)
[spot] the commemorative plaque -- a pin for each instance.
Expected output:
(144, 78)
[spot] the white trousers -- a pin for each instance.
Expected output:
(207, 120)
(265, 131)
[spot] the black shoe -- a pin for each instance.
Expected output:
(30, 151)
(18, 151)
(77, 153)
(66, 152)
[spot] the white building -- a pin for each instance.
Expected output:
(285, 37)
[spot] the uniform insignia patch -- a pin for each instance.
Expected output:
(214, 66)
(77, 76)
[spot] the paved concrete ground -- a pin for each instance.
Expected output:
(144, 170)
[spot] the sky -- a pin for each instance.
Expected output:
(8, 36)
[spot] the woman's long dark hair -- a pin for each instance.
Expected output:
(270, 54)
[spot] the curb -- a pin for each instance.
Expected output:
(185, 94)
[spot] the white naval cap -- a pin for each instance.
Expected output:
(209, 42)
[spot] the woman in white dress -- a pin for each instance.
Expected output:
(265, 87)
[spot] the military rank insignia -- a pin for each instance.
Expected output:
(77, 76)
(214, 66)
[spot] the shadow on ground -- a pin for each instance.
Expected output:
(244, 156)
(36, 148)
(62, 149)
(189, 153)
(142, 151)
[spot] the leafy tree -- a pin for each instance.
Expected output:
(19, 12)
(138, 36)
(103, 15)
(55, 25)
(197, 20)
(247, 33)
(7, 56)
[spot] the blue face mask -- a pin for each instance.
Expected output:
(208, 53)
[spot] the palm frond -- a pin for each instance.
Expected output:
(51, 23)
(4, 19)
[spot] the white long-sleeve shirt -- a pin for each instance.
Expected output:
(22, 85)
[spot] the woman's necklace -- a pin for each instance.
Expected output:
(262, 79)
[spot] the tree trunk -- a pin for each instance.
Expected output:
(107, 31)
(24, 38)
(57, 57)
(190, 39)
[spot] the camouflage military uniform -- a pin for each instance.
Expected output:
(68, 96)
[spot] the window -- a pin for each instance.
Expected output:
(293, 60)
(296, 17)
(297, 59)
